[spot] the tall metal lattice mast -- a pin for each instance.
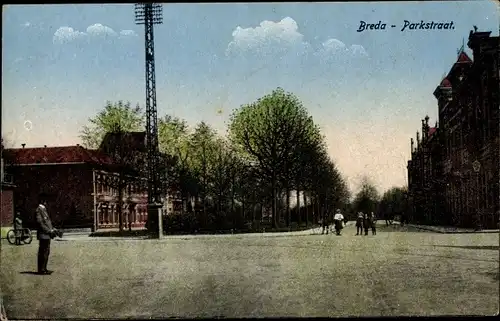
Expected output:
(149, 14)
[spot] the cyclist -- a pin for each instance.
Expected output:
(18, 228)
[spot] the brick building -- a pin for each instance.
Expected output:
(80, 184)
(6, 196)
(84, 184)
(424, 171)
(455, 180)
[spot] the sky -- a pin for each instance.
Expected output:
(367, 90)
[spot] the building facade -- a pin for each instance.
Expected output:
(7, 197)
(81, 185)
(454, 173)
(424, 176)
(85, 185)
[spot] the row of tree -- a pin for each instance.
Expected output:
(392, 204)
(273, 151)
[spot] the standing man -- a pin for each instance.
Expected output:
(45, 232)
(373, 223)
(339, 219)
(366, 223)
(359, 224)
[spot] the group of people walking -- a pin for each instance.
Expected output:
(338, 223)
(365, 222)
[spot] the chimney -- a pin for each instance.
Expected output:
(45, 146)
(23, 145)
(77, 145)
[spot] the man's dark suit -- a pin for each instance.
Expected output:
(44, 233)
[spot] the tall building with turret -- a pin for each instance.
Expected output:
(454, 172)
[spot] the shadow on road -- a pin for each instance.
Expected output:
(472, 247)
(29, 272)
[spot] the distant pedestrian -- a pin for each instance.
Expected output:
(373, 223)
(324, 225)
(366, 223)
(18, 228)
(338, 219)
(359, 224)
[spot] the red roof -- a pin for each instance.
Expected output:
(463, 57)
(445, 83)
(432, 130)
(55, 155)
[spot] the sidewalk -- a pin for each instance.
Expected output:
(449, 229)
(85, 237)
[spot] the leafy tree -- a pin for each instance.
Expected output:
(128, 118)
(393, 203)
(367, 198)
(174, 143)
(203, 144)
(270, 131)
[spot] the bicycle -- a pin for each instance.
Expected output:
(26, 236)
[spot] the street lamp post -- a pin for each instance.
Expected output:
(150, 14)
(476, 166)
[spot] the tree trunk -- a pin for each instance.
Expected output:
(318, 213)
(299, 214)
(233, 214)
(306, 208)
(274, 209)
(243, 209)
(313, 208)
(288, 212)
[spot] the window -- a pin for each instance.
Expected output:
(105, 185)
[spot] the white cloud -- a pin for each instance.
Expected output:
(358, 50)
(334, 47)
(267, 36)
(100, 30)
(272, 37)
(67, 34)
(128, 33)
